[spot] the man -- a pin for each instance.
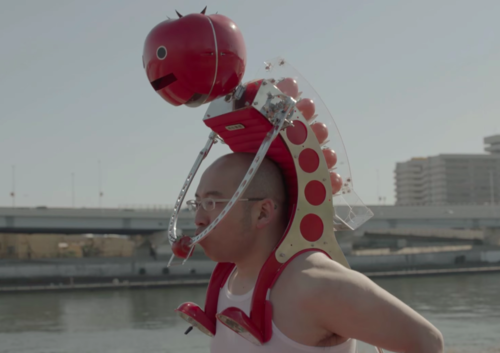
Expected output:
(318, 305)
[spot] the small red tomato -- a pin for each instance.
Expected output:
(306, 107)
(330, 157)
(321, 132)
(182, 247)
(289, 87)
(336, 181)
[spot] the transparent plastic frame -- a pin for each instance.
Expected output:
(349, 211)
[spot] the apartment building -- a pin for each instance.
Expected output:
(451, 178)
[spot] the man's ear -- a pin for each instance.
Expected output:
(266, 212)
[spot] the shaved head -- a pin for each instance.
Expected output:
(268, 181)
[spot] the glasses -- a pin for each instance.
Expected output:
(209, 204)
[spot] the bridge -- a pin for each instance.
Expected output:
(433, 217)
(130, 221)
(126, 221)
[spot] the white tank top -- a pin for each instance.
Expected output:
(228, 341)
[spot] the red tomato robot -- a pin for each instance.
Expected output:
(194, 59)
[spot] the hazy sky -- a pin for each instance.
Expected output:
(401, 78)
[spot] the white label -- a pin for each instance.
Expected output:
(235, 127)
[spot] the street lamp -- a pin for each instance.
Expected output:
(73, 189)
(13, 192)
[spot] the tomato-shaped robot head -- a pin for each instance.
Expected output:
(194, 59)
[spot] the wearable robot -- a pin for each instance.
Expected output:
(197, 59)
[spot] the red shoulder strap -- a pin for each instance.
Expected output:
(217, 281)
(261, 310)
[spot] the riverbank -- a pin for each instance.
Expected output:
(138, 283)
(146, 272)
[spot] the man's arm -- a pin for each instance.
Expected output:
(349, 304)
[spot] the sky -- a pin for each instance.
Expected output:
(402, 79)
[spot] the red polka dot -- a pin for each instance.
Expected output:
(297, 133)
(315, 192)
(311, 227)
(308, 160)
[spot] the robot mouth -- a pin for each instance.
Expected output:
(196, 100)
(163, 82)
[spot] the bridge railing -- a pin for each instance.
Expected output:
(147, 207)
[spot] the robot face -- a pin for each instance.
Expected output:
(194, 59)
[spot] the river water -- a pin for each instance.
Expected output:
(466, 308)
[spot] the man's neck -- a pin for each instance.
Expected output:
(248, 268)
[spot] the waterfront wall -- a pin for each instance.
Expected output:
(133, 267)
(118, 268)
(474, 256)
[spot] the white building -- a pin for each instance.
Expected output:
(451, 178)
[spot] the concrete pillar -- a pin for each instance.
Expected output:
(491, 236)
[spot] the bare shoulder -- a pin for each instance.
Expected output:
(294, 293)
(312, 272)
(315, 268)
(313, 260)
(335, 299)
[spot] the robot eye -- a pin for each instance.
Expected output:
(161, 52)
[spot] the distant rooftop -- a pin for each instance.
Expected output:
(492, 144)
(492, 147)
(448, 234)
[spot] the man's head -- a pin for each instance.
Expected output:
(250, 224)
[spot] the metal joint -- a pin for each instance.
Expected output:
(238, 93)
